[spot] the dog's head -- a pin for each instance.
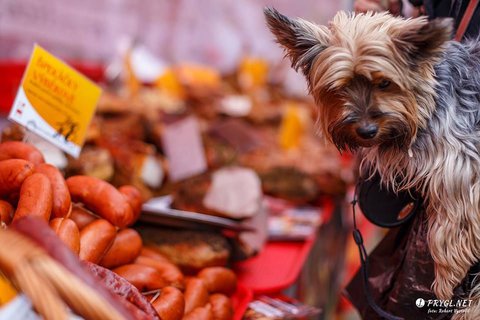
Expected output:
(370, 74)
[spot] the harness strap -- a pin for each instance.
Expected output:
(467, 17)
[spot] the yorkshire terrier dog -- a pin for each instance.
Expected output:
(407, 98)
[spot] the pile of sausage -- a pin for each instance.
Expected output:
(92, 218)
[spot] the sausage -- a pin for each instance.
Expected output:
(36, 198)
(68, 232)
(102, 198)
(170, 305)
(125, 249)
(6, 212)
(170, 272)
(154, 254)
(200, 313)
(81, 216)
(38, 231)
(12, 174)
(219, 280)
(196, 294)
(222, 308)
(62, 203)
(122, 288)
(144, 278)
(20, 150)
(134, 198)
(95, 239)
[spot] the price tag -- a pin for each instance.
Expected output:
(55, 102)
(182, 142)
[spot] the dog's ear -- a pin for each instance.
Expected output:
(421, 39)
(302, 40)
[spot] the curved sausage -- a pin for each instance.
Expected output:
(68, 232)
(134, 198)
(62, 203)
(154, 254)
(170, 305)
(20, 150)
(81, 216)
(170, 272)
(219, 280)
(144, 278)
(95, 239)
(6, 212)
(222, 308)
(125, 249)
(196, 294)
(12, 174)
(102, 198)
(200, 313)
(36, 198)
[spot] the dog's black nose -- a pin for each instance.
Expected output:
(368, 131)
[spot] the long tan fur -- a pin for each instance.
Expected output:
(345, 65)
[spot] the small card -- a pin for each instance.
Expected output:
(280, 307)
(238, 134)
(183, 147)
(287, 222)
(55, 101)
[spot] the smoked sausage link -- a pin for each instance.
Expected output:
(102, 198)
(170, 305)
(36, 198)
(62, 203)
(12, 174)
(125, 249)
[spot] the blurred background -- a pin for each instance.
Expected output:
(212, 32)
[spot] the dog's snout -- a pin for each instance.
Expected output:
(367, 131)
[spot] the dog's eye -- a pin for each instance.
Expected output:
(384, 84)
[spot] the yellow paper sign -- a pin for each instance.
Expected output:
(292, 127)
(252, 73)
(55, 101)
